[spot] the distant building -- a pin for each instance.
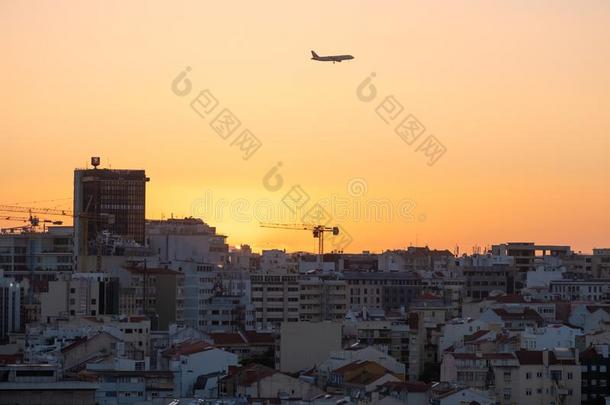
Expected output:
(243, 258)
(526, 256)
(259, 382)
(188, 239)
(481, 281)
(549, 337)
(228, 313)
(277, 261)
(42, 383)
(80, 294)
(38, 256)
(595, 363)
(414, 259)
(581, 290)
(118, 387)
(111, 200)
(204, 281)
(305, 344)
(275, 299)
(322, 298)
(155, 293)
(381, 289)
(193, 361)
(539, 377)
(512, 318)
(10, 307)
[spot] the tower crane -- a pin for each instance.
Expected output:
(65, 213)
(317, 230)
(33, 220)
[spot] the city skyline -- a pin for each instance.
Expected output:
(521, 112)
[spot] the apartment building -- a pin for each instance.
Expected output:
(403, 340)
(37, 255)
(581, 290)
(204, 281)
(229, 313)
(381, 289)
(155, 292)
(186, 239)
(595, 377)
(481, 281)
(275, 298)
(539, 377)
(473, 369)
(80, 294)
(322, 298)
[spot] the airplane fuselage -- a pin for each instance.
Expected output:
(331, 58)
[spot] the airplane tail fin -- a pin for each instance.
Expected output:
(315, 55)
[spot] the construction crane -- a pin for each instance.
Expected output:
(66, 213)
(33, 210)
(33, 220)
(317, 230)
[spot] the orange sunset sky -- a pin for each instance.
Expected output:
(518, 93)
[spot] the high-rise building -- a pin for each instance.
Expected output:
(10, 307)
(108, 200)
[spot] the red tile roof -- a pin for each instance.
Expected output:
(259, 337)
(186, 348)
(528, 357)
(478, 334)
(250, 374)
(222, 339)
(527, 313)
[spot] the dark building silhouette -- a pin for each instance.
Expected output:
(108, 200)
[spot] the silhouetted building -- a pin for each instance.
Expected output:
(108, 200)
(10, 307)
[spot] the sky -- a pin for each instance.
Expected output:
(517, 93)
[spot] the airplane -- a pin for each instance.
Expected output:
(333, 58)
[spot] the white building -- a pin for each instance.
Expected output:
(593, 290)
(191, 360)
(277, 261)
(549, 337)
(186, 239)
(454, 330)
(202, 281)
(544, 275)
(341, 358)
(589, 317)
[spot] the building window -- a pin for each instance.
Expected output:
(528, 392)
(528, 376)
(570, 375)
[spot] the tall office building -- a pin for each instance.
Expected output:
(108, 200)
(10, 307)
